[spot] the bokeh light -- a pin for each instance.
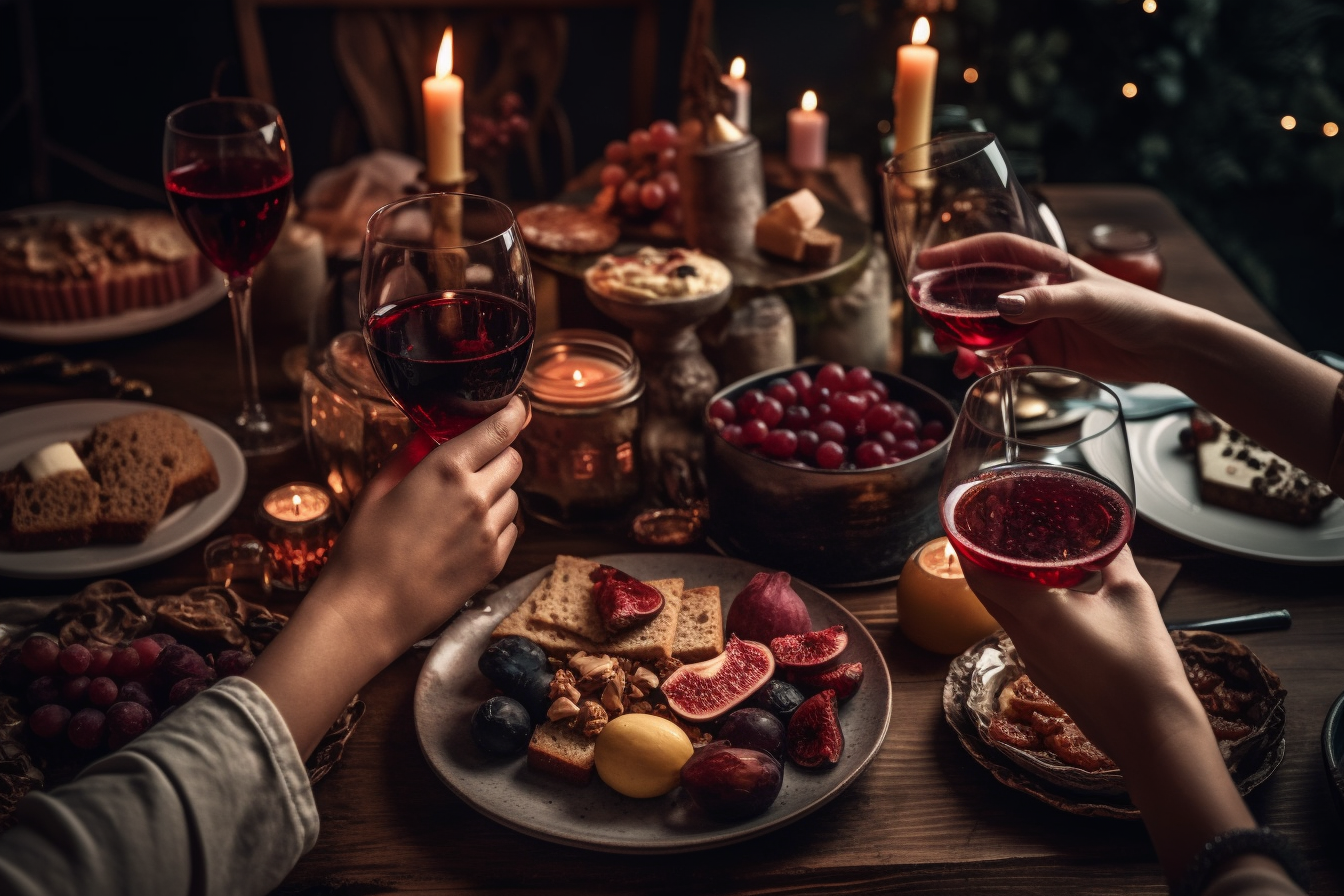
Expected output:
(1130, 89)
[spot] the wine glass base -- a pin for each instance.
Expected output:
(275, 433)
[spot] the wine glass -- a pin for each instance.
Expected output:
(227, 170)
(1053, 507)
(449, 313)
(964, 232)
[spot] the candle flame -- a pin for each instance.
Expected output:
(738, 68)
(444, 67)
(297, 503)
(578, 378)
(921, 33)
(809, 101)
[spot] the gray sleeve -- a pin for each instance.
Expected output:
(212, 800)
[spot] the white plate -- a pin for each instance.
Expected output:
(130, 323)
(24, 431)
(1166, 489)
(596, 817)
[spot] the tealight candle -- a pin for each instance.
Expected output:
(299, 523)
(442, 96)
(916, 72)
(807, 135)
(580, 450)
(736, 81)
(936, 608)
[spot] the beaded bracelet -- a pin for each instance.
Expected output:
(1231, 844)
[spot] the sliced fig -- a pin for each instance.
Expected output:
(767, 608)
(844, 679)
(814, 736)
(812, 651)
(622, 600)
(704, 691)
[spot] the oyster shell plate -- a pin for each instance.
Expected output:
(971, 693)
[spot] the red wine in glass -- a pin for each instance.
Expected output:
(961, 303)
(450, 358)
(232, 208)
(1053, 525)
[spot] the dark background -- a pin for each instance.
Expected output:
(1214, 79)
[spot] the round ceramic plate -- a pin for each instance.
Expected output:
(1166, 487)
(130, 323)
(596, 817)
(24, 431)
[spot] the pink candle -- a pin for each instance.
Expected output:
(807, 135)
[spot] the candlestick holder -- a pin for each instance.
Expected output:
(299, 527)
(423, 184)
(679, 380)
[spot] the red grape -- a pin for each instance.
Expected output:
(732, 434)
(880, 417)
(667, 160)
(613, 175)
(722, 409)
(818, 394)
(185, 689)
(807, 444)
(74, 659)
(125, 722)
(800, 380)
(40, 654)
(906, 448)
(617, 152)
(663, 134)
(42, 690)
(746, 404)
(102, 691)
(858, 379)
(233, 662)
(48, 720)
(180, 661)
(830, 455)
(782, 391)
(629, 193)
(903, 429)
(770, 411)
(652, 196)
(926, 444)
(86, 728)
(780, 443)
(934, 429)
(880, 388)
(149, 650)
(821, 411)
(517, 126)
(797, 417)
(830, 431)
(125, 662)
(870, 454)
(754, 432)
(832, 376)
(670, 184)
(847, 408)
(641, 143)
(134, 692)
(99, 655)
(913, 416)
(74, 689)
(163, 639)
(871, 396)
(886, 440)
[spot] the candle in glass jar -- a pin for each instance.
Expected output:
(807, 135)
(299, 523)
(736, 81)
(575, 380)
(442, 95)
(937, 609)
(916, 71)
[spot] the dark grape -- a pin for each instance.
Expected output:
(74, 659)
(502, 726)
(797, 417)
(185, 689)
(163, 639)
(512, 660)
(102, 691)
(178, 661)
(74, 690)
(48, 720)
(818, 395)
(934, 429)
(43, 690)
(99, 656)
(668, 179)
(86, 728)
(233, 662)
(629, 194)
(807, 444)
(40, 654)
(125, 722)
(753, 728)
(134, 692)
(125, 662)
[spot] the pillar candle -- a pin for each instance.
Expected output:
(916, 71)
(736, 81)
(936, 608)
(807, 135)
(443, 118)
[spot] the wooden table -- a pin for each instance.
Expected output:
(924, 818)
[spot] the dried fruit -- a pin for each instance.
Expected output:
(622, 600)
(502, 726)
(812, 651)
(703, 691)
(753, 728)
(732, 782)
(768, 608)
(814, 736)
(780, 698)
(844, 679)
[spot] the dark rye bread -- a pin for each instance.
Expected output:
(134, 465)
(57, 511)
(191, 469)
(557, 749)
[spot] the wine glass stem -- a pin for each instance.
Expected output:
(997, 359)
(253, 417)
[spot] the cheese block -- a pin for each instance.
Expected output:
(798, 211)
(779, 238)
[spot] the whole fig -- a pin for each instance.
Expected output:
(767, 609)
(732, 782)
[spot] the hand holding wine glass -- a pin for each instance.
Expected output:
(227, 169)
(959, 194)
(448, 307)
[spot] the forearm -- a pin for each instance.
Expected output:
(1277, 396)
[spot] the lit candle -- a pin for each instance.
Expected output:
(576, 380)
(736, 81)
(299, 520)
(916, 71)
(937, 609)
(443, 118)
(807, 135)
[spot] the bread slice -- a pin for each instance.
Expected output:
(191, 467)
(57, 511)
(567, 602)
(523, 621)
(653, 640)
(134, 464)
(699, 633)
(557, 749)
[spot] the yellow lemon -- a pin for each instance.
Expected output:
(641, 755)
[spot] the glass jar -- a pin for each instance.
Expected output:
(1127, 252)
(349, 423)
(581, 450)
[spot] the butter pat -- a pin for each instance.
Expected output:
(57, 458)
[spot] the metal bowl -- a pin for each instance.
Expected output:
(1332, 751)
(830, 527)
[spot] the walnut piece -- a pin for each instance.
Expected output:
(592, 718)
(645, 678)
(613, 699)
(667, 665)
(562, 685)
(563, 708)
